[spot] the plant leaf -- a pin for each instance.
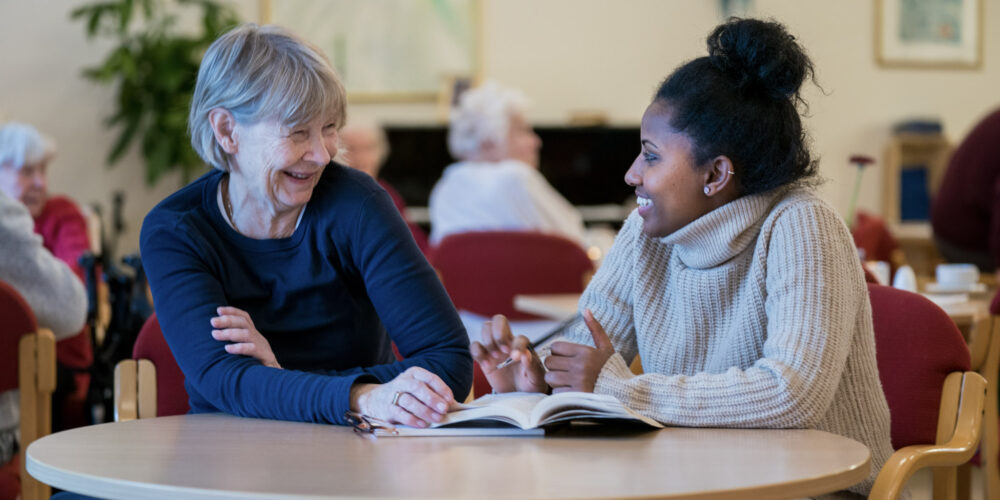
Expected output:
(124, 140)
(154, 70)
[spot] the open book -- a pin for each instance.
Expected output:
(526, 413)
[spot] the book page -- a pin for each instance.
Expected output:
(584, 405)
(513, 407)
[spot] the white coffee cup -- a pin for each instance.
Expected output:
(905, 279)
(956, 275)
(881, 270)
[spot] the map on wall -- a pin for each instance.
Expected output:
(389, 48)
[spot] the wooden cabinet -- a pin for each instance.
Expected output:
(910, 152)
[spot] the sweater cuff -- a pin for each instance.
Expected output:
(342, 401)
(614, 372)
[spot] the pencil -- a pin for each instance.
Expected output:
(559, 329)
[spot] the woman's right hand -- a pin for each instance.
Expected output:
(234, 325)
(526, 374)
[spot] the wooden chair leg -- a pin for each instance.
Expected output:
(36, 381)
(126, 380)
(945, 483)
(964, 491)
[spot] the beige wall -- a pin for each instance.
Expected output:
(567, 55)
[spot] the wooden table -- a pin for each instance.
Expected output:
(219, 456)
(964, 314)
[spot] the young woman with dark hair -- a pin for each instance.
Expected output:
(737, 286)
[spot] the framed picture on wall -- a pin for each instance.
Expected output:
(388, 50)
(929, 33)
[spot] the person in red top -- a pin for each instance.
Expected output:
(366, 149)
(965, 214)
(24, 158)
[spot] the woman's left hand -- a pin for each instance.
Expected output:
(234, 325)
(416, 397)
(575, 367)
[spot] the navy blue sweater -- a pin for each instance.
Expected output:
(329, 299)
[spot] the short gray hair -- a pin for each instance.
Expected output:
(482, 115)
(261, 73)
(22, 144)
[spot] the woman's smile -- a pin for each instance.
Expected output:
(645, 204)
(301, 179)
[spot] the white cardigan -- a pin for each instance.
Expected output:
(505, 195)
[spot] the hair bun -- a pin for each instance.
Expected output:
(759, 56)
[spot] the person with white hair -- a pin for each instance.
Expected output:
(496, 184)
(25, 155)
(366, 148)
(48, 286)
(282, 278)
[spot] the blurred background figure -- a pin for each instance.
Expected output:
(47, 286)
(966, 210)
(365, 149)
(496, 184)
(25, 155)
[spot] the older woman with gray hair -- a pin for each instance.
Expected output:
(27, 262)
(496, 184)
(282, 258)
(25, 155)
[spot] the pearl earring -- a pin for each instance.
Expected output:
(708, 190)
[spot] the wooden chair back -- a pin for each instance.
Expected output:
(984, 345)
(33, 371)
(150, 384)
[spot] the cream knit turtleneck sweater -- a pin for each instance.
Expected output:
(754, 315)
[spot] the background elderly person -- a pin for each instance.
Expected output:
(740, 289)
(283, 256)
(496, 184)
(47, 284)
(25, 155)
(366, 148)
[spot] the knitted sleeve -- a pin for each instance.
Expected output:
(609, 294)
(48, 285)
(814, 290)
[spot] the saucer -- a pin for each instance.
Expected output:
(969, 288)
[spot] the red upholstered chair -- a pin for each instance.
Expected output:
(935, 402)
(32, 370)
(150, 384)
(483, 271)
(10, 478)
(872, 235)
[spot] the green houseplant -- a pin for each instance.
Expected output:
(154, 67)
